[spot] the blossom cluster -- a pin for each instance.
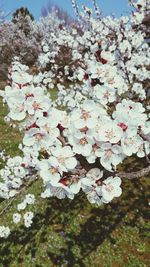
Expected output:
(75, 142)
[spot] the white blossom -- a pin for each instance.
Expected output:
(28, 216)
(16, 218)
(4, 231)
(111, 188)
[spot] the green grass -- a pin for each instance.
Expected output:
(76, 233)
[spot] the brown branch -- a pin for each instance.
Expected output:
(146, 20)
(134, 175)
(143, 136)
(7, 206)
(130, 176)
(146, 156)
(62, 140)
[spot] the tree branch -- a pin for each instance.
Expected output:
(62, 140)
(146, 156)
(25, 186)
(134, 175)
(144, 137)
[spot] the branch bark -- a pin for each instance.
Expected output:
(143, 136)
(134, 175)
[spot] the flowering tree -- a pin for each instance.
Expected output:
(59, 12)
(19, 37)
(100, 116)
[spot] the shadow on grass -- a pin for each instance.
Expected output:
(97, 227)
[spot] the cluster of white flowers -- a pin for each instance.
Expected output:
(28, 216)
(98, 117)
(28, 200)
(13, 175)
(98, 191)
(141, 7)
(94, 134)
(4, 231)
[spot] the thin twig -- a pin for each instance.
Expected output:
(18, 193)
(144, 137)
(62, 140)
(146, 156)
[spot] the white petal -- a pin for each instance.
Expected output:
(28, 141)
(75, 187)
(118, 192)
(70, 163)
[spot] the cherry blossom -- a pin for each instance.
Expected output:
(111, 188)
(81, 111)
(16, 218)
(63, 157)
(28, 216)
(4, 231)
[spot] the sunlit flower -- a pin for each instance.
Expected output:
(111, 188)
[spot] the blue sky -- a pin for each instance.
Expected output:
(117, 7)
